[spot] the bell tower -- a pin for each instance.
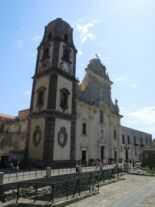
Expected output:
(51, 137)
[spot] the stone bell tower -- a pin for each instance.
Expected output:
(51, 137)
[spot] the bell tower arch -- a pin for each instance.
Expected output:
(51, 136)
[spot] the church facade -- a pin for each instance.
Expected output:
(98, 118)
(69, 121)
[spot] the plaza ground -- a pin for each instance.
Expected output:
(134, 191)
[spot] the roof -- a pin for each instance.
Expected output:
(58, 21)
(96, 86)
(6, 117)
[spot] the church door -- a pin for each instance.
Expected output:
(84, 156)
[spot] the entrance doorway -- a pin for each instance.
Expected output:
(83, 156)
(102, 153)
(4, 161)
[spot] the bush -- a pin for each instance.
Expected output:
(148, 158)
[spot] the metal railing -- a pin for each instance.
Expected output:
(53, 192)
(20, 176)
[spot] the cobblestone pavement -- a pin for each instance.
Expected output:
(129, 192)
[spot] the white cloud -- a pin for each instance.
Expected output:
(36, 38)
(144, 115)
(122, 109)
(132, 107)
(142, 119)
(88, 36)
(82, 65)
(107, 58)
(80, 53)
(120, 79)
(133, 85)
(84, 30)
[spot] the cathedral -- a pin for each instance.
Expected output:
(68, 121)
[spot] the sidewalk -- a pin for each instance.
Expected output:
(119, 194)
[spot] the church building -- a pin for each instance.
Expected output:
(69, 121)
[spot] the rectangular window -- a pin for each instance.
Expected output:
(141, 140)
(146, 142)
(128, 139)
(115, 134)
(84, 129)
(135, 151)
(123, 139)
(101, 116)
(64, 94)
(135, 142)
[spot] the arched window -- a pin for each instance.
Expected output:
(37, 136)
(49, 36)
(66, 38)
(123, 139)
(115, 134)
(101, 116)
(66, 55)
(40, 97)
(46, 53)
(84, 128)
(64, 94)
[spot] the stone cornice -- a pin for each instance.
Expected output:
(53, 70)
(53, 113)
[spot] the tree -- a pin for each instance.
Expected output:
(148, 158)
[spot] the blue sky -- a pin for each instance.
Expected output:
(121, 32)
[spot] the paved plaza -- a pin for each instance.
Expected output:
(134, 191)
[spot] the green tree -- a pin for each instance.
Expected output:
(148, 158)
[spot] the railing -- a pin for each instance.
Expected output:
(138, 170)
(20, 176)
(54, 192)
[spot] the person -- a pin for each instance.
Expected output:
(17, 167)
(11, 165)
(77, 166)
(104, 162)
